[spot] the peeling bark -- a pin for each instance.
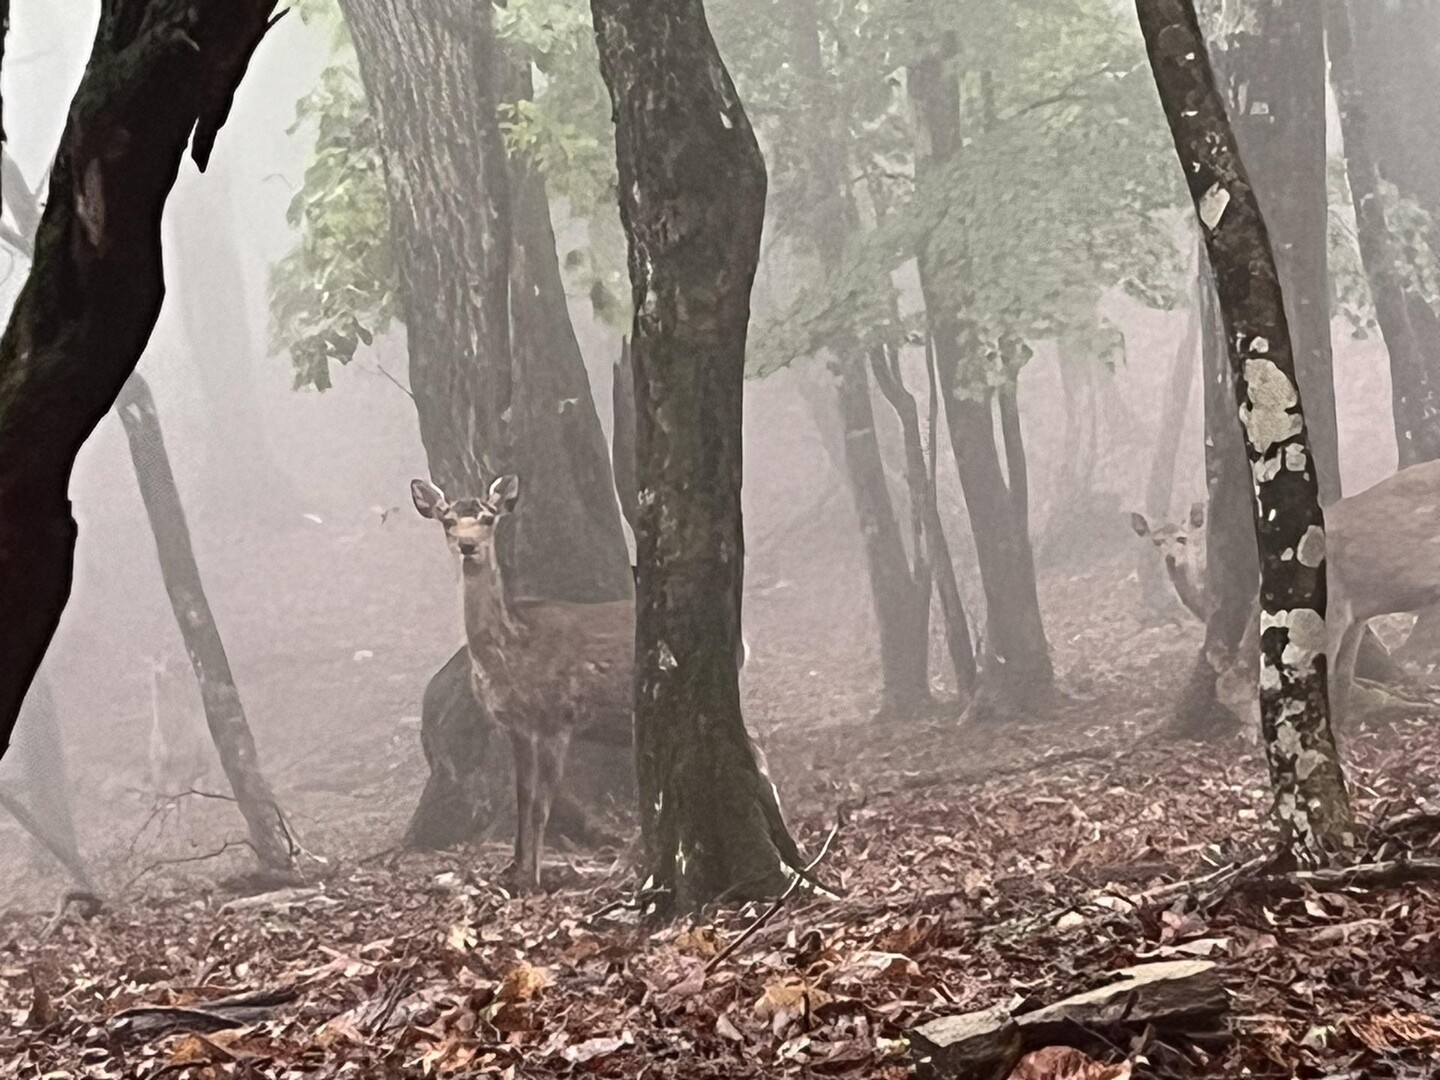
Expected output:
(692, 201)
(1312, 804)
(224, 713)
(161, 71)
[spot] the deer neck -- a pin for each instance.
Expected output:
(489, 621)
(1190, 591)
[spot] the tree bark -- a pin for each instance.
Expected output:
(1414, 374)
(1017, 472)
(224, 713)
(1018, 669)
(1312, 803)
(622, 440)
(159, 71)
(692, 201)
(1272, 70)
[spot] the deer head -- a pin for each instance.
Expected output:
(1182, 548)
(470, 522)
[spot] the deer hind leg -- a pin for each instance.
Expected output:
(524, 751)
(550, 771)
(1345, 633)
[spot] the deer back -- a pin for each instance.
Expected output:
(1383, 544)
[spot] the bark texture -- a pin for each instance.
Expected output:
(224, 713)
(160, 71)
(1017, 670)
(692, 201)
(1312, 803)
(1271, 64)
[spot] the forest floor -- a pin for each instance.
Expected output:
(1000, 865)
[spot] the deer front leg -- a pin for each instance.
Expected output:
(523, 747)
(550, 770)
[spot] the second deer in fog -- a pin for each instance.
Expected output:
(542, 669)
(1382, 549)
(181, 752)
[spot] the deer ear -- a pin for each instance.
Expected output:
(1197, 515)
(428, 498)
(1140, 525)
(504, 494)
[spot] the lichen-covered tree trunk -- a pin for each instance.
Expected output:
(224, 713)
(1414, 369)
(1018, 670)
(1312, 803)
(692, 201)
(1269, 56)
(160, 71)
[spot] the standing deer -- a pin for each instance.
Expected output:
(1382, 558)
(542, 669)
(181, 752)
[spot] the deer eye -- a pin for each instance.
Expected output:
(1180, 540)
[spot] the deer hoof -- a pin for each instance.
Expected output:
(517, 881)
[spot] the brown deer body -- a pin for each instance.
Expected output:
(542, 669)
(1382, 558)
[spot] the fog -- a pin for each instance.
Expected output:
(337, 602)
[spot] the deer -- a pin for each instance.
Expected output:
(543, 669)
(1382, 558)
(181, 753)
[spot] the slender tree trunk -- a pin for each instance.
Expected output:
(1271, 67)
(224, 714)
(1414, 376)
(1018, 668)
(1312, 803)
(1017, 472)
(692, 200)
(900, 612)
(622, 440)
(1159, 488)
(159, 73)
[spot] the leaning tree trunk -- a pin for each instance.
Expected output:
(159, 72)
(1414, 376)
(1271, 66)
(1312, 803)
(692, 200)
(224, 713)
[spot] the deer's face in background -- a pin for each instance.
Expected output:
(470, 522)
(1181, 546)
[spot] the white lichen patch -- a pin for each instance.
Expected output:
(1260, 346)
(667, 658)
(1266, 469)
(1296, 460)
(1311, 548)
(1213, 205)
(1267, 417)
(1305, 637)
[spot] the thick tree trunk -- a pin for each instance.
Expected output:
(1159, 488)
(1414, 373)
(692, 200)
(241, 473)
(1312, 803)
(159, 71)
(1271, 65)
(1018, 671)
(901, 612)
(224, 713)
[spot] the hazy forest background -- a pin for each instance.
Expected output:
(281, 376)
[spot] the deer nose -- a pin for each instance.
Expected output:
(467, 547)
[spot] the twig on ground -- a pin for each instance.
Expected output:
(204, 857)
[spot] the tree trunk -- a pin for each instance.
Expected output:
(224, 713)
(1018, 671)
(901, 613)
(1414, 375)
(1271, 65)
(1017, 472)
(1154, 588)
(241, 474)
(1312, 803)
(158, 72)
(692, 201)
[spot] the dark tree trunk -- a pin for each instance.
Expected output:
(241, 473)
(159, 71)
(1159, 488)
(692, 200)
(224, 713)
(901, 611)
(1018, 669)
(1312, 803)
(1272, 72)
(1414, 371)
